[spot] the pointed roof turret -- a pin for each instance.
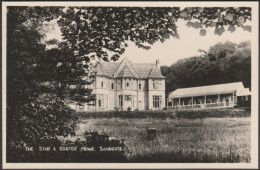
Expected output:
(155, 73)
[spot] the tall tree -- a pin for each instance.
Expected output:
(223, 63)
(93, 31)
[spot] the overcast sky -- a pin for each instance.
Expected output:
(174, 49)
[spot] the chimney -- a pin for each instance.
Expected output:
(157, 63)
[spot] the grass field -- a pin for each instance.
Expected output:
(178, 140)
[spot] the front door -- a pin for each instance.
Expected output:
(128, 101)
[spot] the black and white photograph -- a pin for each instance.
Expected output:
(130, 84)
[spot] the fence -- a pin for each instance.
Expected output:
(202, 106)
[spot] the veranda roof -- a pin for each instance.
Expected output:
(244, 92)
(207, 90)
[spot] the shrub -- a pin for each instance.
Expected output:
(217, 113)
(163, 114)
(160, 114)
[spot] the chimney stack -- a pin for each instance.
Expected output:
(157, 63)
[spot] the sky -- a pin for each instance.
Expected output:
(174, 49)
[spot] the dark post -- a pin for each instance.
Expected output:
(151, 133)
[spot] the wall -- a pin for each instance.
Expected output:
(110, 96)
(155, 92)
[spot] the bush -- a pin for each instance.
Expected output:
(173, 114)
(160, 114)
(216, 113)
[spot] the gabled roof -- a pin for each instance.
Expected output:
(126, 73)
(125, 62)
(207, 90)
(244, 92)
(100, 70)
(143, 70)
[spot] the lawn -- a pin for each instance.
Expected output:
(178, 140)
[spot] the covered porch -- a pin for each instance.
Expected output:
(202, 102)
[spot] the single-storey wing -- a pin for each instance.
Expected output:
(212, 96)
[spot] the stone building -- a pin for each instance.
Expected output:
(120, 85)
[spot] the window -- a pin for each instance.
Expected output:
(157, 84)
(140, 86)
(119, 84)
(112, 86)
(102, 84)
(244, 98)
(120, 101)
(127, 83)
(128, 97)
(100, 100)
(157, 101)
(99, 103)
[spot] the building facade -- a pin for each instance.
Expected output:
(213, 96)
(127, 85)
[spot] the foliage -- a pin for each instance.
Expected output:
(164, 114)
(36, 112)
(216, 113)
(223, 63)
(98, 31)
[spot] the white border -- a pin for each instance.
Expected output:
(254, 71)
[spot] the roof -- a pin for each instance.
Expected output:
(244, 92)
(155, 73)
(144, 70)
(100, 71)
(110, 68)
(207, 90)
(125, 72)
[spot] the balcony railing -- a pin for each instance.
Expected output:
(203, 106)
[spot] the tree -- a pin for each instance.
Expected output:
(39, 85)
(93, 31)
(40, 81)
(223, 63)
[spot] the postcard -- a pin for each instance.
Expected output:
(90, 85)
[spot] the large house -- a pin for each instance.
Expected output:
(213, 96)
(127, 85)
